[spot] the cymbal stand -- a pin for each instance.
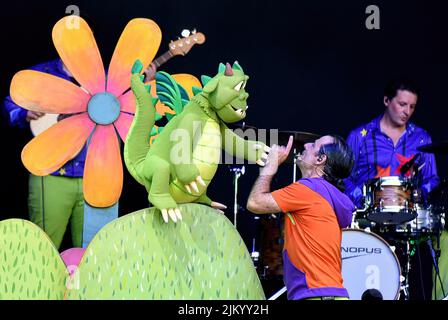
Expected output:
(237, 173)
(405, 287)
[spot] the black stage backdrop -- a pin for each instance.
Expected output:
(313, 66)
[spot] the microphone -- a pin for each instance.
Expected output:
(408, 165)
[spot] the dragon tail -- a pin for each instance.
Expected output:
(138, 139)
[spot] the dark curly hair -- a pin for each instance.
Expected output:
(339, 162)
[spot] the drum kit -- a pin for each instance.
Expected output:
(396, 217)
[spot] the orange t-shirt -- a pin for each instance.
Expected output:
(312, 240)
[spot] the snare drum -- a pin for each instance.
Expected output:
(428, 221)
(390, 200)
(368, 262)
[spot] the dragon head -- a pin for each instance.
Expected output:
(226, 92)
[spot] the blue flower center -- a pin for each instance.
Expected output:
(103, 108)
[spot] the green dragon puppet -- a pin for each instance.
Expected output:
(180, 164)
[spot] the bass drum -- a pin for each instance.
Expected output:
(368, 262)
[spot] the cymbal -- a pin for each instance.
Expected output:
(242, 126)
(300, 137)
(436, 147)
(279, 137)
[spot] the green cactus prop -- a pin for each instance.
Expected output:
(139, 256)
(30, 265)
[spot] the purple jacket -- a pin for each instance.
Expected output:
(376, 156)
(17, 117)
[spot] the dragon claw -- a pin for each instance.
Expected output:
(201, 181)
(260, 163)
(172, 214)
(165, 215)
(194, 186)
(178, 214)
(188, 188)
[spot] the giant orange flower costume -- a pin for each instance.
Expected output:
(102, 106)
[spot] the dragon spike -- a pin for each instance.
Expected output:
(158, 116)
(154, 100)
(236, 66)
(153, 131)
(205, 79)
(142, 77)
(229, 71)
(196, 90)
(137, 67)
(221, 68)
(148, 87)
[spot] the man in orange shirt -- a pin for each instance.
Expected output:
(317, 210)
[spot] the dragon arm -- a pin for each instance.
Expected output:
(238, 147)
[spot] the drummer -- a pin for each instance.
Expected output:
(383, 146)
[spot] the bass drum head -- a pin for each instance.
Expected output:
(369, 263)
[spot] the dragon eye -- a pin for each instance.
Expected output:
(239, 85)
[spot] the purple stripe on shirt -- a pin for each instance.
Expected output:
(341, 204)
(297, 287)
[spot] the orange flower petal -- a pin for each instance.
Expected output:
(140, 40)
(103, 171)
(187, 81)
(77, 48)
(127, 102)
(54, 147)
(42, 92)
(123, 124)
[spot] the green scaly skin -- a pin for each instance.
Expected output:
(200, 129)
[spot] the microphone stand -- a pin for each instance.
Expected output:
(237, 173)
(294, 170)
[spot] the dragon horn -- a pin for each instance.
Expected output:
(236, 66)
(221, 68)
(229, 71)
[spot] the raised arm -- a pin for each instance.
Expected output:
(260, 199)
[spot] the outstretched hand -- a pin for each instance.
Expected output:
(276, 157)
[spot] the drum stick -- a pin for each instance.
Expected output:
(278, 294)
